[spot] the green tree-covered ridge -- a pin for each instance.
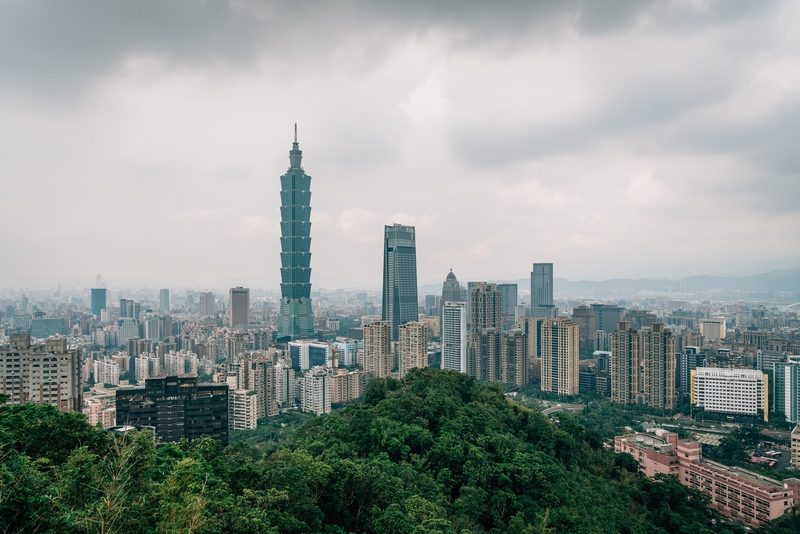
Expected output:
(436, 452)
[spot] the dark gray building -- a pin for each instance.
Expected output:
(163, 300)
(400, 302)
(177, 407)
(542, 291)
(509, 294)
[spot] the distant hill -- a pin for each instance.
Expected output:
(781, 280)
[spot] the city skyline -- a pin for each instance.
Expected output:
(189, 134)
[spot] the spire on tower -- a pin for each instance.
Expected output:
(295, 132)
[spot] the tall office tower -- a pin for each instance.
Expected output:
(606, 317)
(42, 373)
(560, 372)
(514, 365)
(163, 300)
(454, 336)
(239, 311)
(400, 303)
(658, 349)
(431, 305)
(625, 352)
(98, 300)
(177, 407)
(378, 356)
(542, 291)
(584, 316)
(509, 308)
(451, 289)
(206, 303)
(295, 317)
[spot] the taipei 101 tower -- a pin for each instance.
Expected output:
(296, 320)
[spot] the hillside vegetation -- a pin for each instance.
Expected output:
(434, 453)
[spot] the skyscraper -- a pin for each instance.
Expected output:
(509, 294)
(206, 303)
(400, 303)
(295, 319)
(163, 300)
(542, 291)
(98, 300)
(625, 364)
(658, 348)
(378, 357)
(560, 356)
(454, 336)
(240, 305)
(483, 357)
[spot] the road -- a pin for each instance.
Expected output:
(563, 407)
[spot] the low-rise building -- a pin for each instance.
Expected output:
(737, 493)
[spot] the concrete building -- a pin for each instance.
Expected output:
(306, 354)
(347, 385)
(737, 493)
(163, 300)
(658, 353)
(483, 354)
(787, 389)
(126, 328)
(509, 294)
(98, 300)
(454, 336)
(295, 317)
(239, 312)
(147, 366)
(347, 351)
(625, 365)
(177, 407)
(96, 413)
(713, 329)
(795, 437)
(48, 372)
(206, 303)
(285, 382)
(560, 356)
(242, 410)
(378, 354)
(730, 391)
(106, 372)
(584, 316)
(400, 304)
(514, 365)
(606, 317)
(412, 348)
(315, 391)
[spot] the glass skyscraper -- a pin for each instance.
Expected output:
(296, 320)
(98, 300)
(400, 303)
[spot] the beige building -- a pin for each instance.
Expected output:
(433, 324)
(560, 355)
(378, 355)
(47, 372)
(347, 385)
(796, 447)
(412, 348)
(96, 413)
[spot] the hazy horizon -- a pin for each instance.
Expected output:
(144, 141)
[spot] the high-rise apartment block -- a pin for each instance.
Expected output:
(315, 391)
(98, 300)
(177, 407)
(483, 356)
(454, 336)
(560, 355)
(42, 373)
(106, 372)
(163, 300)
(378, 355)
(625, 365)
(787, 389)
(206, 303)
(400, 302)
(486, 307)
(295, 317)
(514, 366)
(242, 410)
(542, 291)
(658, 348)
(239, 312)
(412, 347)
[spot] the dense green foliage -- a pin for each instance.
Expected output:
(434, 453)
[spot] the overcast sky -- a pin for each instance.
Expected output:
(145, 139)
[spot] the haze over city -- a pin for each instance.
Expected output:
(145, 141)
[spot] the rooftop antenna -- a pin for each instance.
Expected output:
(295, 132)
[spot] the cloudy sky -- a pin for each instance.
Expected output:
(144, 140)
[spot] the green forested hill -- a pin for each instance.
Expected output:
(436, 452)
